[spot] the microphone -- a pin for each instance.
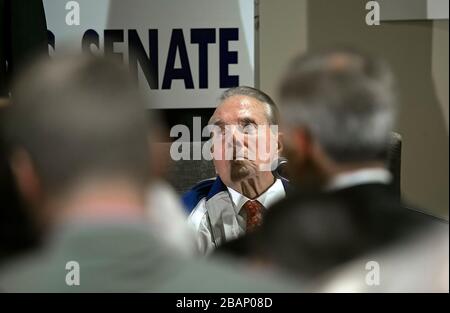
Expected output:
(279, 168)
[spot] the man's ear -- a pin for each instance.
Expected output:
(280, 143)
(159, 158)
(302, 142)
(27, 180)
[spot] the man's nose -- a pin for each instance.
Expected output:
(238, 141)
(238, 144)
(237, 137)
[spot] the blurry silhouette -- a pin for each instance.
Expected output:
(166, 215)
(23, 35)
(339, 108)
(78, 138)
(17, 233)
(418, 264)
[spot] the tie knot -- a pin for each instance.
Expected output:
(252, 205)
(254, 213)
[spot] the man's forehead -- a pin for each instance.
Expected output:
(238, 107)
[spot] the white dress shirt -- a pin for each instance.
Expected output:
(268, 198)
(217, 220)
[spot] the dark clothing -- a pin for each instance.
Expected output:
(17, 233)
(23, 34)
(310, 234)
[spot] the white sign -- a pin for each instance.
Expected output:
(184, 53)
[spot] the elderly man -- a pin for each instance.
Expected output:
(234, 203)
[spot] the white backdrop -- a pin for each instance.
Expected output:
(162, 17)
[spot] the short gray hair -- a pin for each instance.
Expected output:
(345, 100)
(271, 108)
(79, 117)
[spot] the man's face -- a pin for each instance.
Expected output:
(245, 147)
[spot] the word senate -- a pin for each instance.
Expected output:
(177, 50)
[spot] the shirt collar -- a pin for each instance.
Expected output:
(359, 177)
(270, 196)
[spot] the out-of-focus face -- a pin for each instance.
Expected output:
(245, 146)
(306, 159)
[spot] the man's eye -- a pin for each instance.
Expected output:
(219, 131)
(249, 129)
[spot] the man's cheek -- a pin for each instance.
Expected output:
(221, 166)
(218, 149)
(267, 148)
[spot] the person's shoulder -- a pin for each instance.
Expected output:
(224, 275)
(200, 191)
(383, 205)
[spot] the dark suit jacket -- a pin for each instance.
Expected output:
(316, 232)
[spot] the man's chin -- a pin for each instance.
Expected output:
(242, 169)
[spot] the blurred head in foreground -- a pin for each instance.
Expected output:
(78, 140)
(339, 110)
(79, 151)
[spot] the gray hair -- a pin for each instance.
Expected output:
(79, 117)
(271, 108)
(345, 100)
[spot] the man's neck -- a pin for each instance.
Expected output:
(254, 186)
(107, 201)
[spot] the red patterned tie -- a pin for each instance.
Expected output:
(254, 211)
